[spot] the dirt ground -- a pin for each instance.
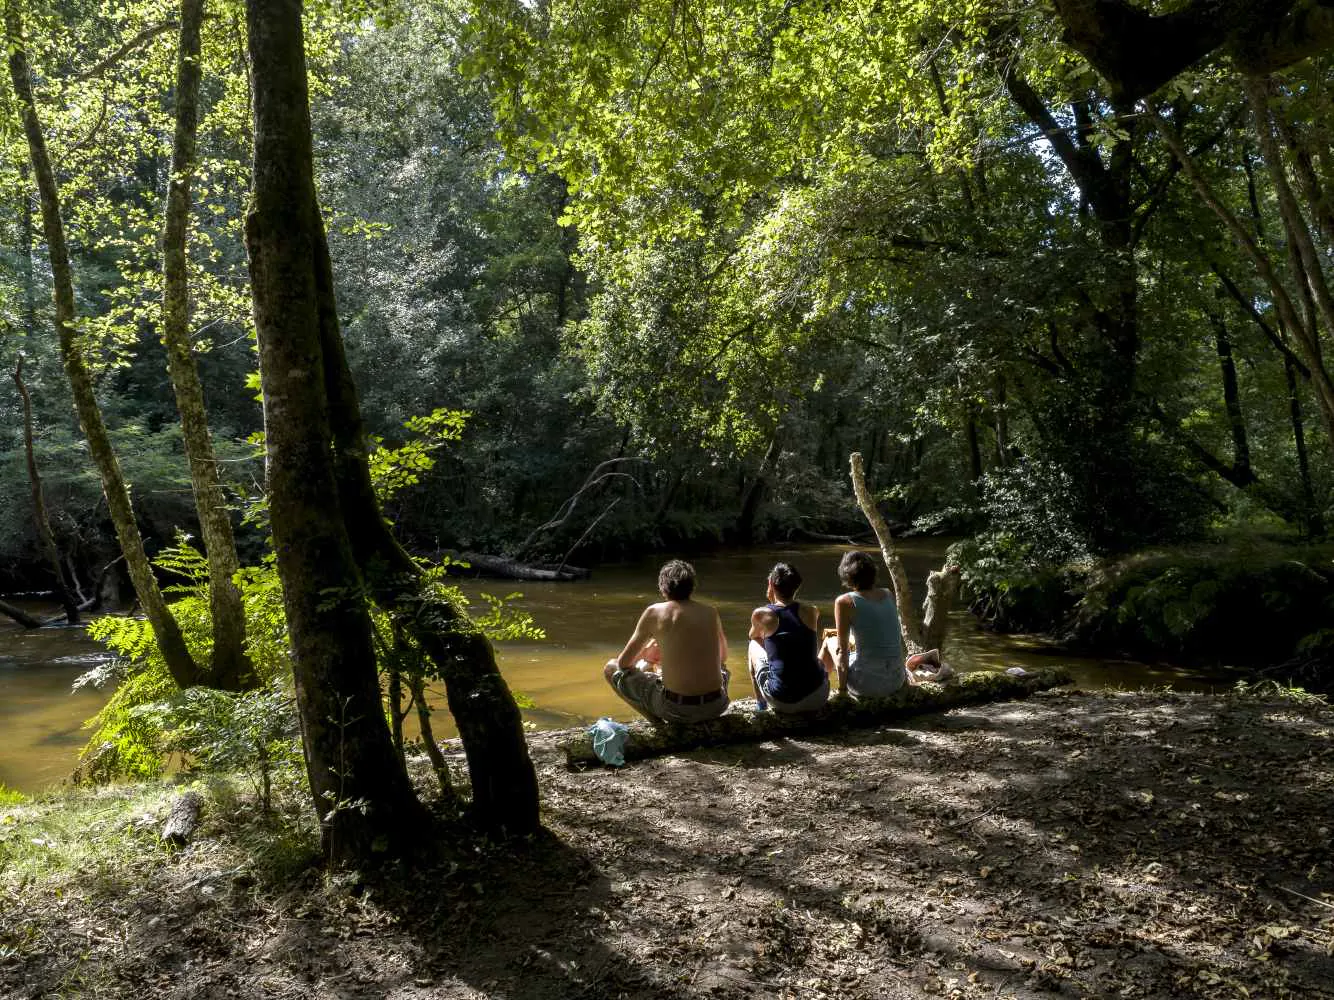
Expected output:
(1148, 845)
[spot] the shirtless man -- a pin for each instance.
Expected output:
(690, 682)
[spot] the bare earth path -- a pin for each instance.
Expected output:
(1071, 845)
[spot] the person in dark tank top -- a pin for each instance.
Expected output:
(784, 634)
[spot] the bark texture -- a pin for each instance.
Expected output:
(1137, 52)
(504, 783)
(229, 669)
(362, 795)
(742, 724)
(183, 819)
(170, 642)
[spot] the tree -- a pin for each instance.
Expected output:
(333, 547)
(229, 668)
(183, 667)
(1137, 51)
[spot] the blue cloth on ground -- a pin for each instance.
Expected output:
(609, 738)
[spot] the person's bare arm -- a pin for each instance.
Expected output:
(763, 623)
(722, 640)
(645, 630)
(844, 614)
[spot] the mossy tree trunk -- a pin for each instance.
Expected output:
(504, 783)
(742, 724)
(924, 628)
(230, 669)
(168, 634)
(362, 794)
(909, 618)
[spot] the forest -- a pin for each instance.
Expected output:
(307, 308)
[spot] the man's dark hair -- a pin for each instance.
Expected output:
(676, 580)
(857, 571)
(786, 580)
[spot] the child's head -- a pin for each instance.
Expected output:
(785, 580)
(856, 570)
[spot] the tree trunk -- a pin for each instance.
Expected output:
(418, 687)
(504, 784)
(910, 620)
(362, 795)
(168, 634)
(230, 669)
(40, 516)
(1306, 336)
(1314, 525)
(1241, 449)
(754, 494)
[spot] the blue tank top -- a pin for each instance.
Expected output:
(793, 669)
(876, 631)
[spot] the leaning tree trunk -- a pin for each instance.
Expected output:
(39, 512)
(230, 668)
(909, 620)
(19, 615)
(504, 783)
(168, 634)
(362, 793)
(922, 629)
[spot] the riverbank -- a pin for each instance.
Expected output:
(1146, 845)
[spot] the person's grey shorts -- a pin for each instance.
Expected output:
(874, 678)
(644, 693)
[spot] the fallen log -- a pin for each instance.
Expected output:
(183, 819)
(20, 616)
(742, 724)
(511, 569)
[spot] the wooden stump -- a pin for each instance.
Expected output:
(183, 819)
(742, 724)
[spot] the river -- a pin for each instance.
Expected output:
(585, 622)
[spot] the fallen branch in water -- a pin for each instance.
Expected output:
(742, 724)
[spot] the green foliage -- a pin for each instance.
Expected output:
(149, 725)
(393, 469)
(1012, 591)
(1240, 607)
(1246, 604)
(9, 797)
(1272, 690)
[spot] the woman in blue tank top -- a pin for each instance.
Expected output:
(868, 616)
(784, 660)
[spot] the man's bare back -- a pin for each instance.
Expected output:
(688, 682)
(690, 636)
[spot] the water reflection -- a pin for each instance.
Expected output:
(586, 623)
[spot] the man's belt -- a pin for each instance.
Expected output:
(692, 699)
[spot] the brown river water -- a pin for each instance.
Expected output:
(585, 622)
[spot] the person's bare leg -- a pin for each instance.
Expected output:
(754, 657)
(829, 654)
